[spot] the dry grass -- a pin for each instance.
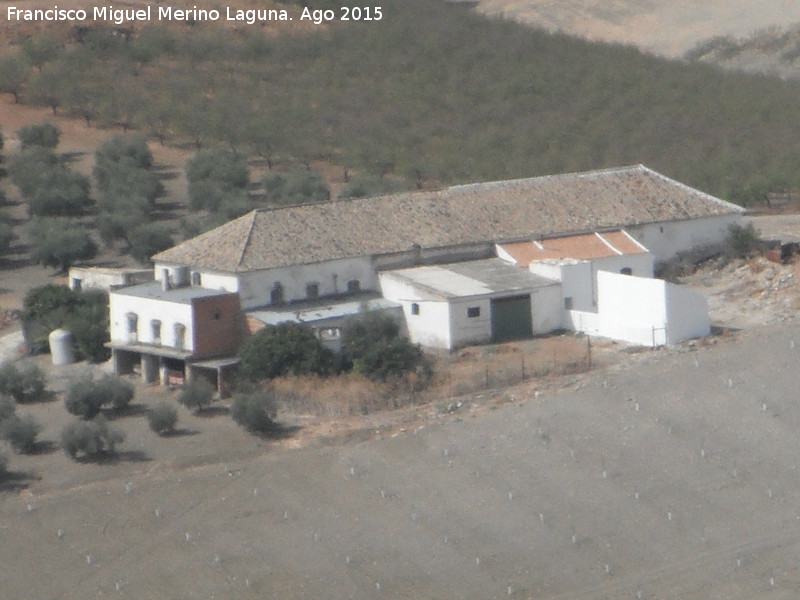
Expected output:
(468, 371)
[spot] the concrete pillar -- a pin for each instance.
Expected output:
(149, 368)
(162, 374)
(188, 373)
(115, 365)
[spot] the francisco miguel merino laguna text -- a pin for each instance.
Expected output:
(119, 16)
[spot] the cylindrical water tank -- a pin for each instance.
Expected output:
(62, 348)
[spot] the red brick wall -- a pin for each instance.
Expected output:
(217, 325)
(251, 325)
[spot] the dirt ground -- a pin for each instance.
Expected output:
(668, 28)
(672, 473)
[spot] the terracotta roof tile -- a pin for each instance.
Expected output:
(501, 212)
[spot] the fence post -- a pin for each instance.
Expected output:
(522, 361)
(589, 351)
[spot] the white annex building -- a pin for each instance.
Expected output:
(466, 264)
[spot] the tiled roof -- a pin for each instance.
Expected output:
(502, 211)
(585, 246)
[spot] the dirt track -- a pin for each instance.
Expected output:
(536, 497)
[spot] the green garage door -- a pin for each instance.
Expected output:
(511, 318)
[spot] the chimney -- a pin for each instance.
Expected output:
(165, 279)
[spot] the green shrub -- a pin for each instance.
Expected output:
(85, 314)
(115, 391)
(742, 240)
(255, 411)
(24, 382)
(43, 135)
(85, 398)
(373, 347)
(20, 432)
(391, 359)
(162, 418)
(197, 394)
(92, 439)
(284, 349)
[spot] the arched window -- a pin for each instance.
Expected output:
(196, 279)
(276, 294)
(133, 326)
(179, 330)
(155, 329)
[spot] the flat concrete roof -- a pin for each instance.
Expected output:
(183, 294)
(321, 310)
(471, 278)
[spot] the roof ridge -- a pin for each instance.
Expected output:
(247, 238)
(605, 171)
(687, 187)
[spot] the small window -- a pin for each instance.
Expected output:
(661, 229)
(312, 290)
(276, 294)
(626, 271)
(473, 311)
(155, 328)
(353, 286)
(568, 303)
(196, 279)
(76, 284)
(414, 308)
(217, 315)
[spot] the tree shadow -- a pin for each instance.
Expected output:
(117, 457)
(43, 447)
(180, 432)
(212, 411)
(10, 264)
(131, 410)
(46, 397)
(72, 157)
(15, 481)
(280, 432)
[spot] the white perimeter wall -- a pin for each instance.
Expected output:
(643, 311)
(687, 314)
(666, 240)
(169, 313)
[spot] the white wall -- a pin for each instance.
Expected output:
(431, 327)
(666, 240)
(547, 306)
(643, 311)
(465, 330)
(331, 276)
(632, 309)
(687, 314)
(169, 313)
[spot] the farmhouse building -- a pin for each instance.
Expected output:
(466, 264)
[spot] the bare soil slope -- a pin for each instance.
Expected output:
(669, 28)
(674, 476)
